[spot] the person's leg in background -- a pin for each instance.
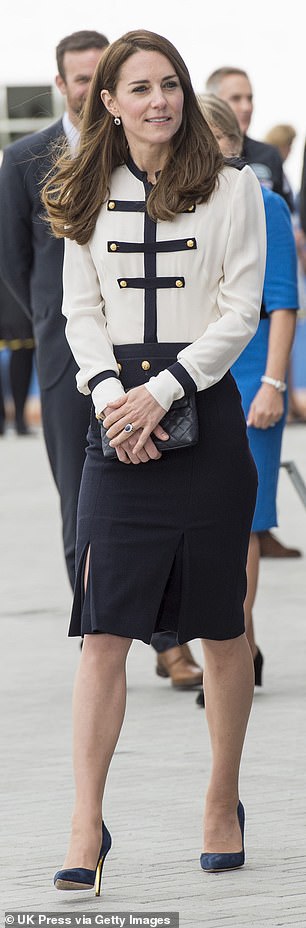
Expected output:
(21, 366)
(252, 577)
(270, 546)
(176, 661)
(2, 407)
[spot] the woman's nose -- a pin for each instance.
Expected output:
(158, 97)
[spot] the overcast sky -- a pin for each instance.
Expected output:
(266, 38)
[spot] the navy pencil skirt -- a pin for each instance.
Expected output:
(168, 539)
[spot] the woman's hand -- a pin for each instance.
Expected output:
(138, 408)
(267, 407)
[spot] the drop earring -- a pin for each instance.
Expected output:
(117, 121)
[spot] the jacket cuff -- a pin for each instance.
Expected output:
(165, 388)
(185, 379)
(98, 378)
(105, 392)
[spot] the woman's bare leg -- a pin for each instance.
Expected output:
(252, 578)
(228, 687)
(98, 711)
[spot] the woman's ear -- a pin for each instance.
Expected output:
(109, 102)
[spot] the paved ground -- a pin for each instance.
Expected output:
(158, 777)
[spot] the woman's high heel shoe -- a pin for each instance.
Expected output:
(80, 877)
(214, 862)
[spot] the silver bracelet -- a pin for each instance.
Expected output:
(278, 384)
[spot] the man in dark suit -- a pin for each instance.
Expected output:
(233, 86)
(31, 265)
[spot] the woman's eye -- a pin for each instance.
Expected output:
(169, 85)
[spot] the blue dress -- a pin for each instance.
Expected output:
(280, 292)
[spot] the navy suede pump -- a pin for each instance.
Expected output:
(80, 877)
(213, 863)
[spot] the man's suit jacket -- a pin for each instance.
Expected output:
(267, 164)
(31, 259)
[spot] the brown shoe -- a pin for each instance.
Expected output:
(179, 664)
(271, 547)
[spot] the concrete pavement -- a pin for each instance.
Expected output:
(160, 769)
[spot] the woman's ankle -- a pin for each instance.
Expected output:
(86, 819)
(222, 799)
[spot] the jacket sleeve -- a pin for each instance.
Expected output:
(16, 255)
(206, 361)
(86, 332)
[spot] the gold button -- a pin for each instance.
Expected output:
(119, 367)
(145, 365)
(111, 204)
(123, 283)
(179, 283)
(190, 243)
(113, 246)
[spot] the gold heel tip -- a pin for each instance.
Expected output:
(98, 877)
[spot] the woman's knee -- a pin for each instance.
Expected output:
(111, 649)
(222, 651)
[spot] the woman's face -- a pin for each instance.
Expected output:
(149, 100)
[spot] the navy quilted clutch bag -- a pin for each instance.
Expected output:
(181, 423)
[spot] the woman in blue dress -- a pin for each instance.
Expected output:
(260, 371)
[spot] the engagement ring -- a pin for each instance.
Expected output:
(129, 427)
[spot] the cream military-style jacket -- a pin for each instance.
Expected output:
(195, 280)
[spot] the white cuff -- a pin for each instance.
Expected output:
(105, 392)
(165, 388)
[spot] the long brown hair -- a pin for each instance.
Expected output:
(78, 186)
